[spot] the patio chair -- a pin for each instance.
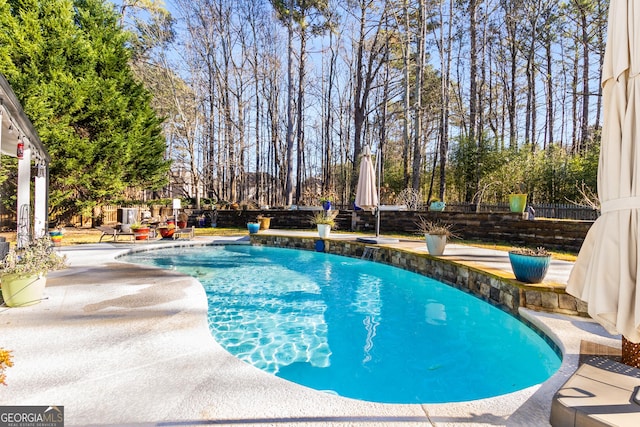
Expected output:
(184, 233)
(113, 232)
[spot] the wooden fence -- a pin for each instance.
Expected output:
(542, 210)
(108, 214)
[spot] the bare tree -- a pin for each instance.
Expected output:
(417, 128)
(370, 54)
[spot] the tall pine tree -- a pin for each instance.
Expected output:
(68, 62)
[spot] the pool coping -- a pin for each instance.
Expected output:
(225, 389)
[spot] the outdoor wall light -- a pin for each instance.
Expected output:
(20, 150)
(41, 171)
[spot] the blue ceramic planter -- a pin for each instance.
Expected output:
(437, 206)
(528, 268)
(253, 227)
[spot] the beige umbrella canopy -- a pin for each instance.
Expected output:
(605, 274)
(367, 196)
(366, 191)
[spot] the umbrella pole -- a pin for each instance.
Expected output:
(378, 171)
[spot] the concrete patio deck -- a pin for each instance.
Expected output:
(121, 344)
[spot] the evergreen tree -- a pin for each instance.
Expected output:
(68, 63)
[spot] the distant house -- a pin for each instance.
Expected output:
(18, 138)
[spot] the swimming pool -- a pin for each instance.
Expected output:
(357, 328)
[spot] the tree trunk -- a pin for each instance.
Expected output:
(417, 135)
(364, 76)
(584, 128)
(550, 111)
(383, 121)
(406, 103)
(473, 90)
(327, 175)
(601, 25)
(300, 121)
(288, 189)
(574, 100)
(360, 101)
(511, 28)
(243, 193)
(444, 117)
(259, 176)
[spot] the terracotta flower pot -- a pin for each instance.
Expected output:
(265, 223)
(142, 233)
(166, 232)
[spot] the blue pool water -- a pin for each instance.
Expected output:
(357, 328)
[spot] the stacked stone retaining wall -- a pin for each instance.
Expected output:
(487, 227)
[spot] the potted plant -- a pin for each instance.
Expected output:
(56, 236)
(435, 235)
(140, 231)
(253, 227)
(166, 230)
(518, 199)
(529, 265)
(326, 199)
(324, 220)
(517, 202)
(182, 220)
(265, 222)
(326, 203)
(24, 272)
(436, 205)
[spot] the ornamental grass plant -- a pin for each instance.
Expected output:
(539, 251)
(36, 259)
(325, 217)
(434, 228)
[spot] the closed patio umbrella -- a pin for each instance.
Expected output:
(605, 274)
(366, 191)
(367, 196)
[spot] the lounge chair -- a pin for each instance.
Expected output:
(602, 392)
(113, 232)
(184, 233)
